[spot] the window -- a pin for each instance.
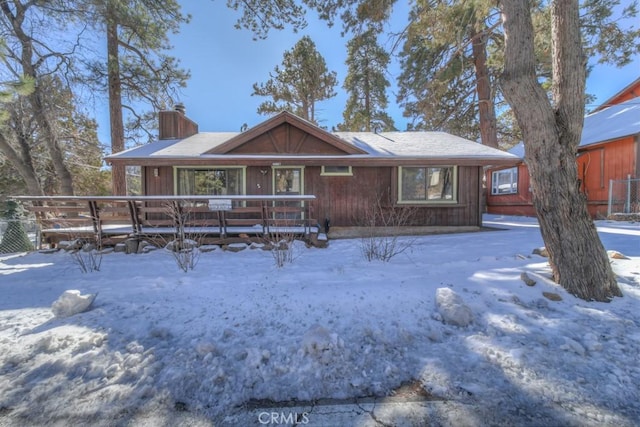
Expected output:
(214, 181)
(336, 170)
(427, 184)
(504, 181)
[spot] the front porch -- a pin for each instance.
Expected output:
(109, 220)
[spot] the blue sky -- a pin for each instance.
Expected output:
(225, 62)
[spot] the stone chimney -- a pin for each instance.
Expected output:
(173, 124)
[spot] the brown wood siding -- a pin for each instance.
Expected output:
(346, 200)
(157, 185)
(286, 139)
(259, 183)
(175, 125)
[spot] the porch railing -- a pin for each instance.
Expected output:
(110, 216)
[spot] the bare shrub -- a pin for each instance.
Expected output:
(382, 228)
(184, 244)
(86, 255)
(280, 241)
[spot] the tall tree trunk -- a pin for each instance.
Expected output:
(35, 97)
(22, 164)
(486, 107)
(118, 172)
(53, 143)
(551, 137)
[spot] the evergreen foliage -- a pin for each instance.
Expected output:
(15, 238)
(366, 85)
(299, 84)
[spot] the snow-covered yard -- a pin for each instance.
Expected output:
(164, 347)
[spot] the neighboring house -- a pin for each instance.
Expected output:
(608, 151)
(438, 174)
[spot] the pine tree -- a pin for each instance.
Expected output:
(15, 238)
(32, 58)
(453, 56)
(366, 85)
(552, 130)
(301, 82)
(137, 69)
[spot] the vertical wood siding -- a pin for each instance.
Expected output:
(157, 185)
(346, 200)
(597, 165)
(511, 204)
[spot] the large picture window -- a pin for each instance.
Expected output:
(427, 184)
(504, 181)
(210, 181)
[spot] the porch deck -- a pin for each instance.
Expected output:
(210, 219)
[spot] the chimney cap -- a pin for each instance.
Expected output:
(179, 107)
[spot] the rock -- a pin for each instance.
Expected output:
(120, 247)
(526, 279)
(552, 296)
(452, 308)
(209, 248)
(542, 251)
(141, 246)
(616, 255)
(48, 251)
(72, 302)
(131, 246)
(71, 245)
(235, 247)
(176, 246)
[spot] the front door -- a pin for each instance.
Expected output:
(288, 181)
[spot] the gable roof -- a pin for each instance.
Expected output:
(614, 122)
(630, 91)
(433, 145)
(277, 120)
(363, 147)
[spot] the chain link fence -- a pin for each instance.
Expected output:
(624, 197)
(18, 235)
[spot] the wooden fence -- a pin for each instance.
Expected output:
(113, 218)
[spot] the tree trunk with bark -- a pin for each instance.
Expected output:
(551, 133)
(23, 165)
(486, 106)
(16, 17)
(118, 172)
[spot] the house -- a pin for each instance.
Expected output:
(607, 154)
(437, 175)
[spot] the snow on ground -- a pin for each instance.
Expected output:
(159, 342)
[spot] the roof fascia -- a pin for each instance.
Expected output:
(277, 120)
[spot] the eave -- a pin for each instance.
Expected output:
(350, 160)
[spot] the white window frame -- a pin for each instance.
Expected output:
(208, 167)
(349, 171)
(454, 189)
(495, 187)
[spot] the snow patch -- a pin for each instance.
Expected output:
(72, 302)
(452, 308)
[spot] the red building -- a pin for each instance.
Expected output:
(608, 151)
